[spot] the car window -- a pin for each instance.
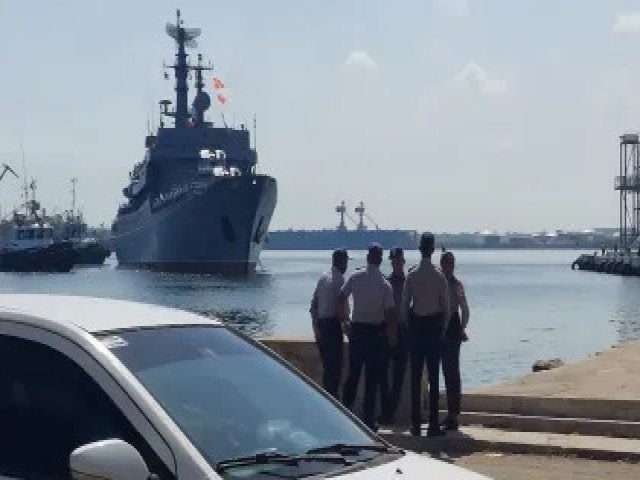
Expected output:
(230, 398)
(49, 406)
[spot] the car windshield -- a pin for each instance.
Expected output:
(231, 399)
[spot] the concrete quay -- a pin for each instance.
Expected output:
(587, 409)
(613, 374)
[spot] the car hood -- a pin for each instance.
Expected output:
(414, 467)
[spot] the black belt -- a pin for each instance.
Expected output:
(426, 318)
(375, 327)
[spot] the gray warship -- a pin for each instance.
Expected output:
(195, 203)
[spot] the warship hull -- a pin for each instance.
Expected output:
(219, 228)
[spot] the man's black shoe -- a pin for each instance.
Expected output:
(435, 432)
(449, 425)
(385, 420)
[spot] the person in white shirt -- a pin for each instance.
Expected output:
(370, 332)
(425, 308)
(454, 336)
(326, 321)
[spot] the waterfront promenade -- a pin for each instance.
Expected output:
(613, 374)
(587, 410)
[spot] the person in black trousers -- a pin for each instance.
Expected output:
(399, 353)
(371, 332)
(425, 306)
(326, 320)
(454, 336)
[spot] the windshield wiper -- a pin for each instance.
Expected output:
(352, 449)
(270, 457)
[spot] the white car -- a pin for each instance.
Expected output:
(104, 389)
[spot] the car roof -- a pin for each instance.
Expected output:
(96, 315)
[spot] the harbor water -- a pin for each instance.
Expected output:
(525, 305)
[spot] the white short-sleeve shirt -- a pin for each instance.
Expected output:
(326, 293)
(372, 295)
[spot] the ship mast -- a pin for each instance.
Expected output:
(184, 37)
(202, 101)
(74, 182)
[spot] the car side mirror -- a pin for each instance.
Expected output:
(108, 459)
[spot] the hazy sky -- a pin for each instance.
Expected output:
(441, 114)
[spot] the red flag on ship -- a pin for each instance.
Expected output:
(222, 95)
(217, 84)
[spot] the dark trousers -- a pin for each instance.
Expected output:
(331, 347)
(395, 371)
(367, 347)
(451, 365)
(425, 334)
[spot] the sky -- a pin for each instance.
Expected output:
(448, 115)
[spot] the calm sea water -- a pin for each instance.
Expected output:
(525, 305)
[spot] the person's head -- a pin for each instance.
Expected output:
(447, 263)
(396, 255)
(427, 244)
(374, 256)
(340, 259)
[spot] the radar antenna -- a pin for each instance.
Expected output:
(180, 34)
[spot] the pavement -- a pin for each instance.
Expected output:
(476, 438)
(588, 409)
(613, 374)
(533, 467)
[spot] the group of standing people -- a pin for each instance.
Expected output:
(396, 320)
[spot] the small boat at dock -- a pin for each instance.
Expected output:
(89, 250)
(620, 263)
(32, 248)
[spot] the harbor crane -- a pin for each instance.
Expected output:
(6, 168)
(362, 214)
(342, 210)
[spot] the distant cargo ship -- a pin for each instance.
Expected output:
(340, 237)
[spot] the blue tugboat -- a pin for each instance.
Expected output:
(32, 248)
(32, 245)
(195, 203)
